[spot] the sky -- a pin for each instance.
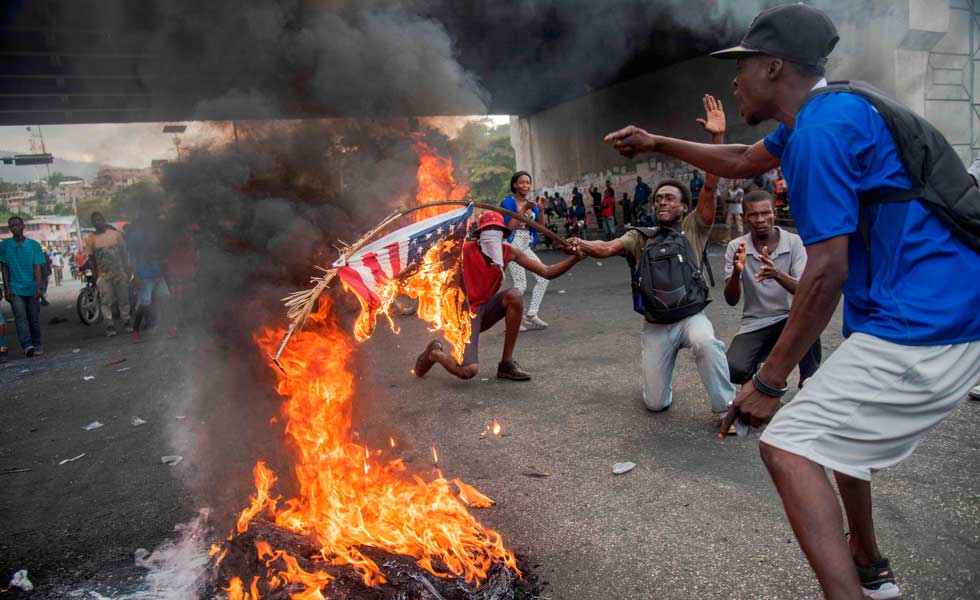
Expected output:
(131, 144)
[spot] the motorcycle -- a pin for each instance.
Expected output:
(88, 303)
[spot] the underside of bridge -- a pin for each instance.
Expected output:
(97, 61)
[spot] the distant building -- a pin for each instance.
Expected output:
(113, 178)
(49, 230)
(68, 192)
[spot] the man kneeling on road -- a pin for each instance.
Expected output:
(484, 262)
(668, 288)
(768, 261)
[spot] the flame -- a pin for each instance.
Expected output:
(471, 496)
(349, 498)
(496, 427)
(435, 181)
(442, 302)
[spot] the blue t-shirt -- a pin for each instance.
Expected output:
(924, 282)
(20, 260)
(510, 203)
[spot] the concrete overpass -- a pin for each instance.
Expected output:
(922, 51)
(96, 61)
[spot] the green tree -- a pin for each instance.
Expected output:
(487, 159)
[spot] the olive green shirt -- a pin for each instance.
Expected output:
(693, 229)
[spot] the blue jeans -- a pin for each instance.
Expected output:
(27, 316)
(609, 224)
(659, 347)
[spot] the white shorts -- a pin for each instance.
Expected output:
(871, 402)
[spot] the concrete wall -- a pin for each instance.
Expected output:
(917, 50)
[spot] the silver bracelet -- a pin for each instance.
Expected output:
(767, 389)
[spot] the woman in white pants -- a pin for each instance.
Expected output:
(523, 238)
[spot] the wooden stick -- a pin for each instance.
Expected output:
(300, 304)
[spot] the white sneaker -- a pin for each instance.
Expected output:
(527, 324)
(535, 319)
(975, 393)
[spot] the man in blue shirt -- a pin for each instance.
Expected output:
(910, 296)
(20, 262)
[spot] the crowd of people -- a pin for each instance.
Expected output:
(868, 230)
(141, 276)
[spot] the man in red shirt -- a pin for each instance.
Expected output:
(484, 261)
(608, 208)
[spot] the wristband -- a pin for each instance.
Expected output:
(767, 389)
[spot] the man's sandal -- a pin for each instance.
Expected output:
(424, 362)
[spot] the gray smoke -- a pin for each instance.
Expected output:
(265, 211)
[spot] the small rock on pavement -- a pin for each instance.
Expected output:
(136, 421)
(92, 425)
(20, 580)
(88, 377)
(562, 292)
(623, 467)
(171, 459)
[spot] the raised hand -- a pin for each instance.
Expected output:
(769, 269)
(714, 116)
(631, 140)
(738, 261)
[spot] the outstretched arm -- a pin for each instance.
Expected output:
(539, 268)
(715, 124)
(735, 161)
(600, 249)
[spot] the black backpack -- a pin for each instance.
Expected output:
(667, 284)
(938, 177)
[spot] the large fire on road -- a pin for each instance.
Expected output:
(352, 497)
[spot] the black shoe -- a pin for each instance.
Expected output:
(29, 351)
(3, 355)
(424, 362)
(513, 371)
(878, 581)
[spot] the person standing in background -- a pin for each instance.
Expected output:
(733, 210)
(57, 267)
(107, 250)
(608, 212)
(20, 265)
(627, 207)
(523, 239)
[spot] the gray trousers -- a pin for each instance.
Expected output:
(659, 347)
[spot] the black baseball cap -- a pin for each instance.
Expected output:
(795, 32)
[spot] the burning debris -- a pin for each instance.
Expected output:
(359, 520)
(256, 552)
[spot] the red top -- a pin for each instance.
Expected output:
(608, 206)
(481, 277)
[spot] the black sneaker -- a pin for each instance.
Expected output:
(29, 351)
(3, 354)
(878, 581)
(513, 371)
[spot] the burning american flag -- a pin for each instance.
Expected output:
(368, 271)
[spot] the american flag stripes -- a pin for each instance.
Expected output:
(399, 252)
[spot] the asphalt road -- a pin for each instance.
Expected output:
(697, 517)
